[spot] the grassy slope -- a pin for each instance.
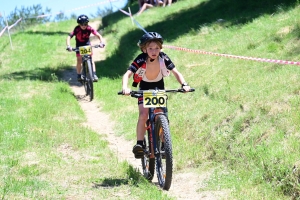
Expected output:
(244, 118)
(242, 121)
(45, 150)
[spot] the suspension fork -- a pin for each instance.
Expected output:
(85, 59)
(152, 133)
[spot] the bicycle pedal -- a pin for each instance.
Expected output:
(138, 151)
(139, 154)
(163, 154)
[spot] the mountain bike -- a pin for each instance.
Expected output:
(157, 141)
(87, 68)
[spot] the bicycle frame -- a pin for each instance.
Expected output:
(87, 68)
(158, 134)
(86, 58)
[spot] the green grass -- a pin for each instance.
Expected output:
(45, 151)
(242, 123)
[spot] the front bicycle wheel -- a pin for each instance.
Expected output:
(148, 163)
(90, 84)
(164, 159)
(84, 73)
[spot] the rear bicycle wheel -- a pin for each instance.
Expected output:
(89, 78)
(148, 164)
(164, 159)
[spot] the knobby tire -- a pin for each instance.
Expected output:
(84, 72)
(148, 164)
(164, 166)
(90, 83)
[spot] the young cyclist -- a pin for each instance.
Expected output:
(82, 34)
(149, 69)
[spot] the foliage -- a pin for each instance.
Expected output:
(46, 151)
(242, 121)
(28, 15)
(60, 17)
(240, 129)
(102, 12)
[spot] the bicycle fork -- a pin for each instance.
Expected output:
(151, 148)
(154, 151)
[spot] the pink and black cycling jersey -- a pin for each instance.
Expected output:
(82, 37)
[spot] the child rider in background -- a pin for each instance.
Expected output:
(149, 69)
(82, 34)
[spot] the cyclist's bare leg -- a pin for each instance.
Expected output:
(78, 64)
(143, 116)
(94, 71)
(94, 67)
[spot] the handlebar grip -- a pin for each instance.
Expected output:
(182, 90)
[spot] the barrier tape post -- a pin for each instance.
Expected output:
(130, 15)
(286, 62)
(8, 31)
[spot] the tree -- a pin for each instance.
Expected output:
(30, 15)
(60, 17)
(102, 12)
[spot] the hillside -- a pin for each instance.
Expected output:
(239, 130)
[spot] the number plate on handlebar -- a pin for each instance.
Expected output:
(154, 98)
(85, 50)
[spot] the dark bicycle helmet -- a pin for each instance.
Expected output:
(82, 19)
(149, 37)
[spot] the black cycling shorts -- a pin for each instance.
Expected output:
(150, 86)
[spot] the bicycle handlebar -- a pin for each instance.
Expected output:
(139, 93)
(102, 45)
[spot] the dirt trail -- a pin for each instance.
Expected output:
(184, 185)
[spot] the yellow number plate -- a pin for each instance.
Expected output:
(154, 98)
(85, 50)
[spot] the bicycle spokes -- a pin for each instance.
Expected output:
(164, 159)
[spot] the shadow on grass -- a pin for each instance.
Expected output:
(234, 12)
(111, 182)
(46, 33)
(38, 74)
(134, 178)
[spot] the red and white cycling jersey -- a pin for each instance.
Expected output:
(138, 67)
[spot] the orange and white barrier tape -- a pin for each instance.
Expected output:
(3, 30)
(79, 8)
(14, 23)
(218, 54)
(136, 22)
(233, 56)
(126, 13)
